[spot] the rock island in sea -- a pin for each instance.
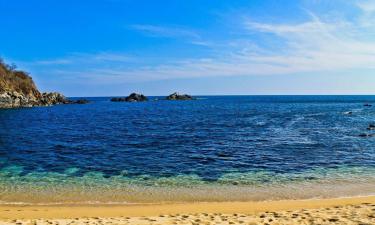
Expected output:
(178, 96)
(133, 97)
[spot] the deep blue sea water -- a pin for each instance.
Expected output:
(239, 142)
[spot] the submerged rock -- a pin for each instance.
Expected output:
(235, 183)
(366, 135)
(81, 101)
(133, 97)
(371, 127)
(177, 96)
(223, 154)
(117, 99)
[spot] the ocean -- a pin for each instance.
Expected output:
(215, 148)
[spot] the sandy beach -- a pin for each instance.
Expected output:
(358, 210)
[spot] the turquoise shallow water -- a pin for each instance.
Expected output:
(93, 187)
(219, 148)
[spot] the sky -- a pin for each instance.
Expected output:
(199, 47)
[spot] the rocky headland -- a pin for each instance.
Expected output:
(17, 89)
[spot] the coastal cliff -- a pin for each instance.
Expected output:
(17, 89)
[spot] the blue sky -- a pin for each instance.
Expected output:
(114, 47)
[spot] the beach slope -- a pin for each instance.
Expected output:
(358, 210)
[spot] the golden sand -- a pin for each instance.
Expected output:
(359, 210)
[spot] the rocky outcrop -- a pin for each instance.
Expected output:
(53, 98)
(13, 99)
(177, 96)
(17, 89)
(133, 97)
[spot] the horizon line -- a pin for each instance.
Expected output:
(214, 95)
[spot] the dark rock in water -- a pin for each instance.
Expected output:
(134, 97)
(117, 99)
(81, 101)
(366, 135)
(177, 96)
(223, 154)
(371, 127)
(367, 105)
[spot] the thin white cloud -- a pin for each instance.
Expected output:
(367, 19)
(315, 45)
(62, 61)
(163, 31)
(318, 45)
(311, 46)
(86, 58)
(367, 6)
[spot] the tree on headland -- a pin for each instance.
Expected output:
(12, 67)
(16, 80)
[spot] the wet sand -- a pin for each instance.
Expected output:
(359, 210)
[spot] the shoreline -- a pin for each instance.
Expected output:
(125, 204)
(118, 192)
(9, 212)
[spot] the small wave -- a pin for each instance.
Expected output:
(261, 123)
